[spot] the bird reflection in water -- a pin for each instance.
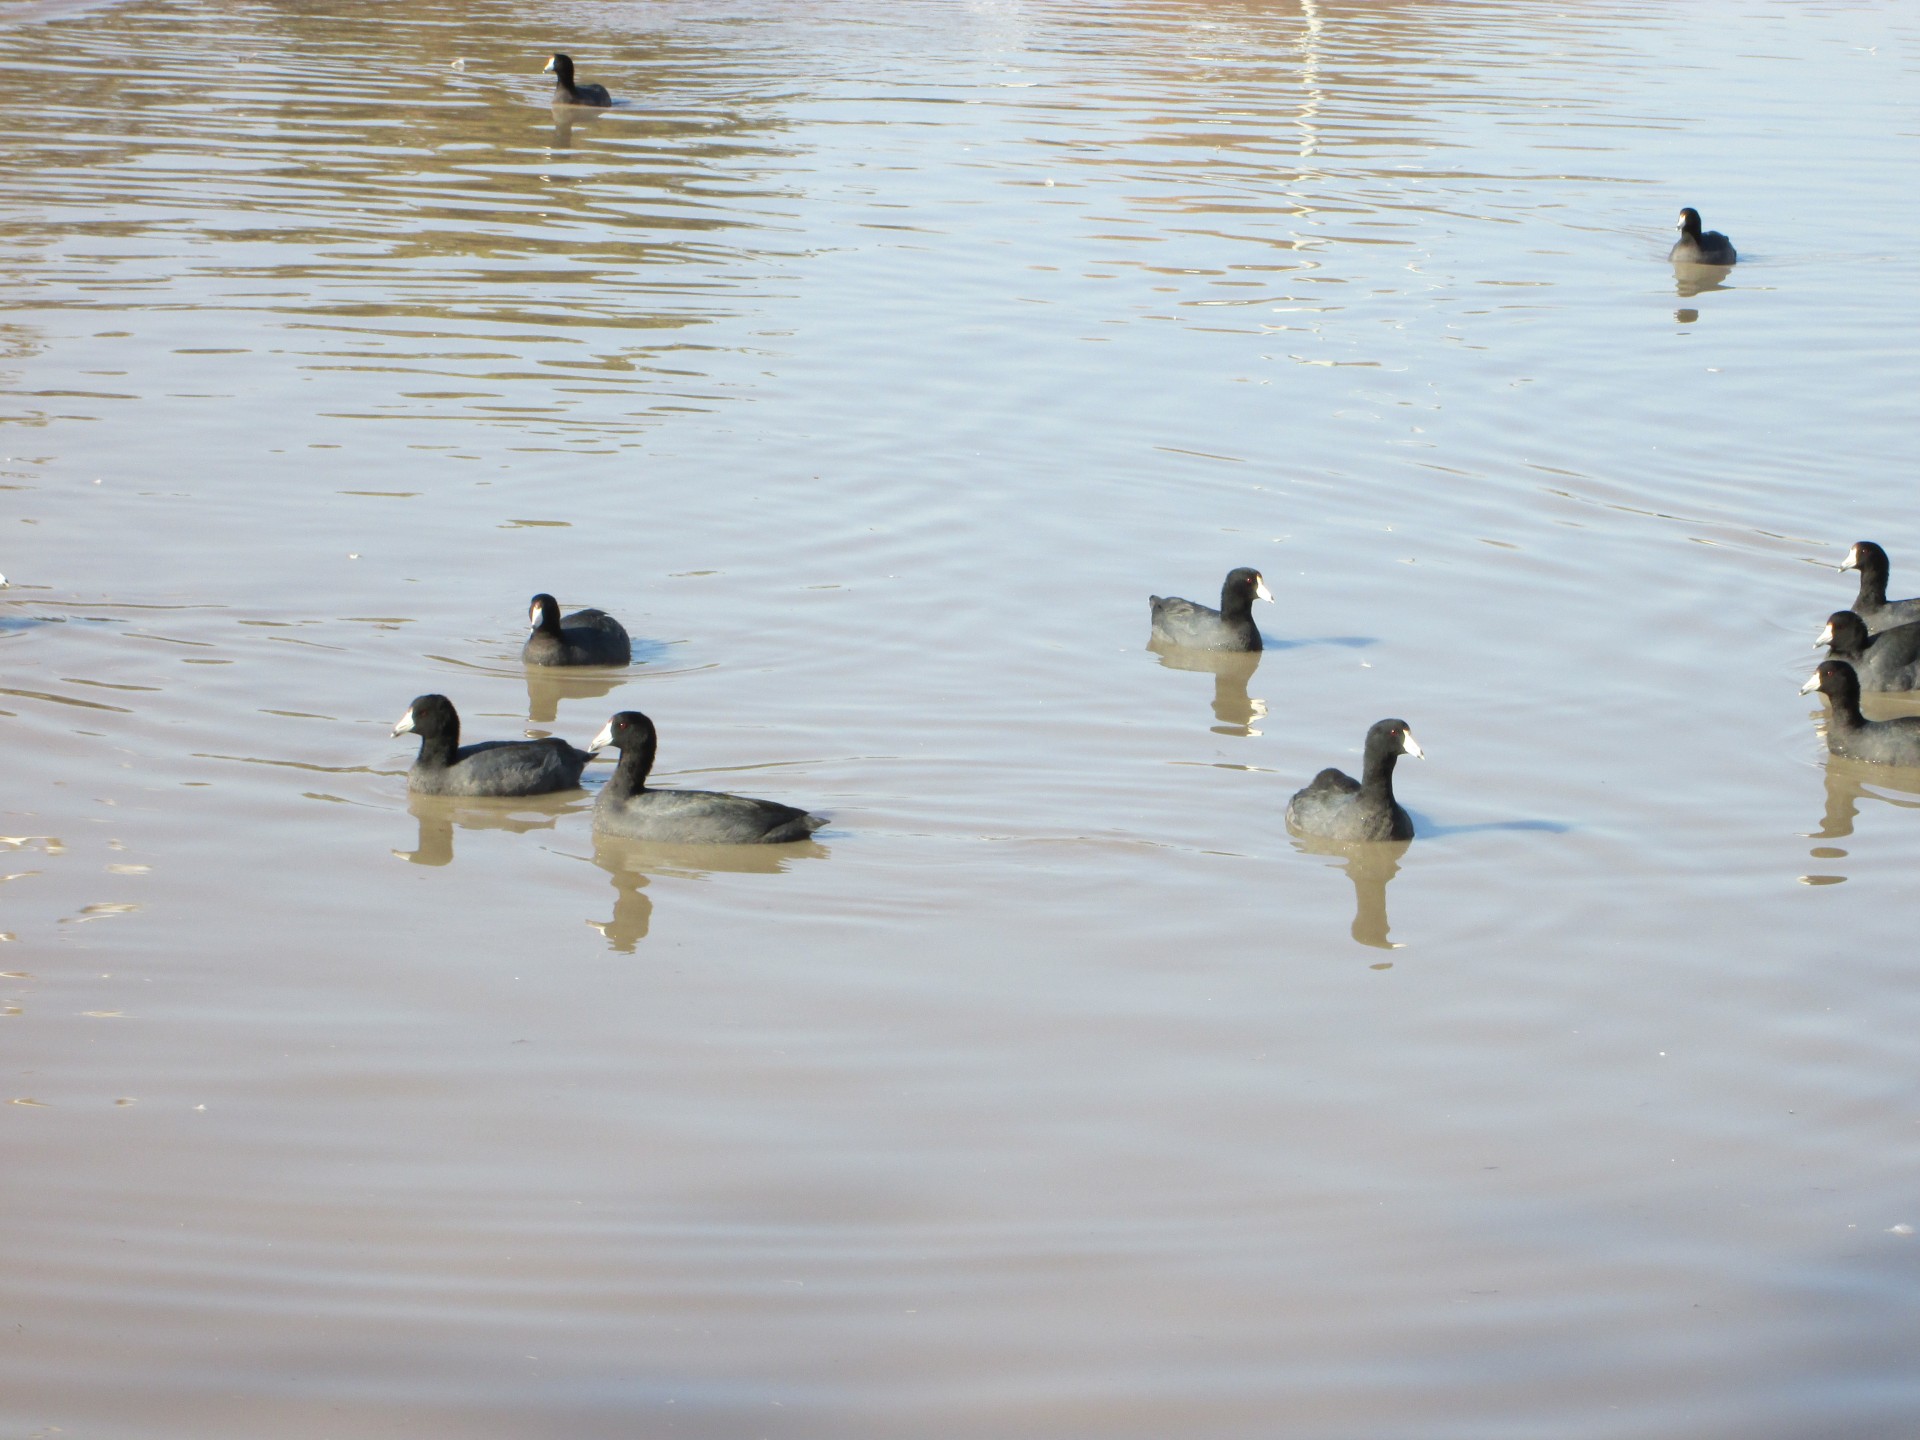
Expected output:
(1692, 280)
(634, 864)
(1848, 783)
(1233, 708)
(548, 685)
(1370, 865)
(439, 814)
(565, 118)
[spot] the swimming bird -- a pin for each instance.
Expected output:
(565, 92)
(1199, 627)
(1887, 661)
(1871, 604)
(1849, 733)
(586, 637)
(627, 808)
(1697, 247)
(491, 767)
(1335, 806)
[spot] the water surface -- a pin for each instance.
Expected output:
(873, 365)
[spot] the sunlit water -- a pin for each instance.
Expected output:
(874, 364)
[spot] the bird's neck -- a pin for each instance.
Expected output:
(631, 771)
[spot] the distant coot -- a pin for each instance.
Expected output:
(492, 767)
(1887, 661)
(1338, 807)
(586, 637)
(565, 92)
(1698, 247)
(1871, 604)
(628, 809)
(1199, 627)
(1849, 733)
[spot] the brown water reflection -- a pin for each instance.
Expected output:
(1233, 709)
(1369, 866)
(634, 864)
(439, 815)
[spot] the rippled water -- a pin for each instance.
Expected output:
(874, 364)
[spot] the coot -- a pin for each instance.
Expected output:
(586, 637)
(492, 767)
(565, 92)
(1338, 807)
(1697, 247)
(1887, 661)
(1849, 733)
(1200, 627)
(1871, 604)
(627, 808)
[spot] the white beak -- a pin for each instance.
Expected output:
(1260, 591)
(1852, 562)
(1813, 683)
(3, 582)
(603, 739)
(547, 69)
(1826, 635)
(405, 723)
(1412, 746)
(533, 618)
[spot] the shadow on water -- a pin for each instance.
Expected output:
(1369, 865)
(1848, 783)
(1346, 642)
(1429, 830)
(634, 863)
(439, 814)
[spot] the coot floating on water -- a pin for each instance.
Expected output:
(1697, 247)
(586, 637)
(492, 767)
(1887, 661)
(1200, 627)
(565, 92)
(1335, 806)
(627, 808)
(1871, 604)
(1849, 733)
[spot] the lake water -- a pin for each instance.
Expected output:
(874, 365)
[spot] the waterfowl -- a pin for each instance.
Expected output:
(586, 637)
(1887, 661)
(1335, 806)
(627, 808)
(1698, 247)
(1200, 627)
(565, 92)
(1849, 733)
(1871, 604)
(491, 767)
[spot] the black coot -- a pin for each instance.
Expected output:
(586, 637)
(1887, 661)
(1200, 627)
(627, 808)
(565, 92)
(1697, 247)
(1849, 733)
(1871, 604)
(493, 767)
(1338, 807)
